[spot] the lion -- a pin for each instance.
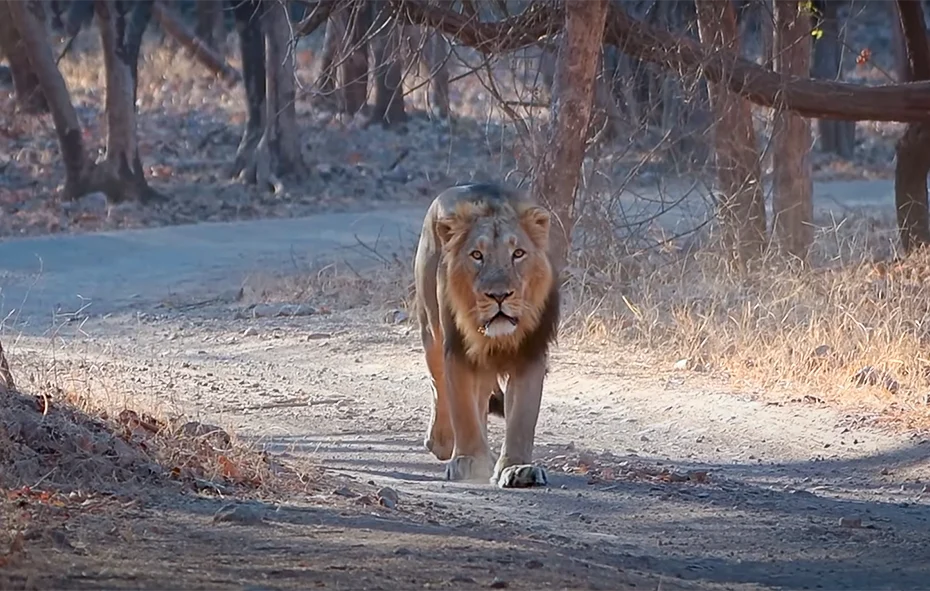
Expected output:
(488, 307)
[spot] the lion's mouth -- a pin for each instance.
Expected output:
(498, 325)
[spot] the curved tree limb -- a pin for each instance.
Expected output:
(822, 99)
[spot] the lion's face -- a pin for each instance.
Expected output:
(498, 271)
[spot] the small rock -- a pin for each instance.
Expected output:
(851, 522)
(533, 564)
(387, 497)
(315, 336)
(398, 175)
(276, 311)
(344, 492)
(396, 317)
(822, 351)
(402, 551)
(250, 332)
(682, 365)
(92, 203)
(498, 583)
(869, 376)
(239, 514)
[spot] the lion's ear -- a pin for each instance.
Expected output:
(445, 228)
(536, 222)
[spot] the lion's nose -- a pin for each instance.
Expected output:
(499, 296)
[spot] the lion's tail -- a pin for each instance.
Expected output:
(496, 403)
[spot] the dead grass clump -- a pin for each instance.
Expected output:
(854, 329)
(60, 440)
(336, 286)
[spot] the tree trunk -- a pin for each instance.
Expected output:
(274, 152)
(741, 207)
(388, 109)
(252, 51)
(28, 92)
(353, 69)
(210, 25)
(559, 168)
(67, 126)
(281, 118)
(330, 59)
(913, 150)
(836, 137)
(431, 52)
(121, 175)
(79, 14)
(792, 201)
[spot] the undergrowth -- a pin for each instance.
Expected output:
(57, 435)
(853, 325)
(850, 328)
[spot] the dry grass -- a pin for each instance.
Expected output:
(68, 430)
(850, 330)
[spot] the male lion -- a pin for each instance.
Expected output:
(488, 306)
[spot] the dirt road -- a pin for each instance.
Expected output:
(660, 479)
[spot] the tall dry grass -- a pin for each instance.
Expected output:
(851, 328)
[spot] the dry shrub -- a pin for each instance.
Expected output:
(384, 281)
(65, 440)
(850, 319)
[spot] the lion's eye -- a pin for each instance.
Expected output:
(476, 254)
(519, 254)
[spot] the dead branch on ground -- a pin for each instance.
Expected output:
(196, 46)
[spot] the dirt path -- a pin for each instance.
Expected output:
(661, 480)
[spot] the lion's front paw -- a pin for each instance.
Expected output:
(468, 468)
(520, 476)
(439, 441)
(440, 446)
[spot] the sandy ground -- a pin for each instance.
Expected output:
(660, 479)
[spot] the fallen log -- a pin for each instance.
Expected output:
(196, 46)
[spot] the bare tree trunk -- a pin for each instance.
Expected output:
(7, 384)
(333, 40)
(913, 150)
(741, 207)
(281, 120)
(353, 71)
(898, 49)
(836, 137)
(388, 109)
(121, 175)
(792, 202)
(252, 52)
(211, 27)
(29, 97)
(431, 52)
(67, 126)
(270, 147)
(559, 168)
